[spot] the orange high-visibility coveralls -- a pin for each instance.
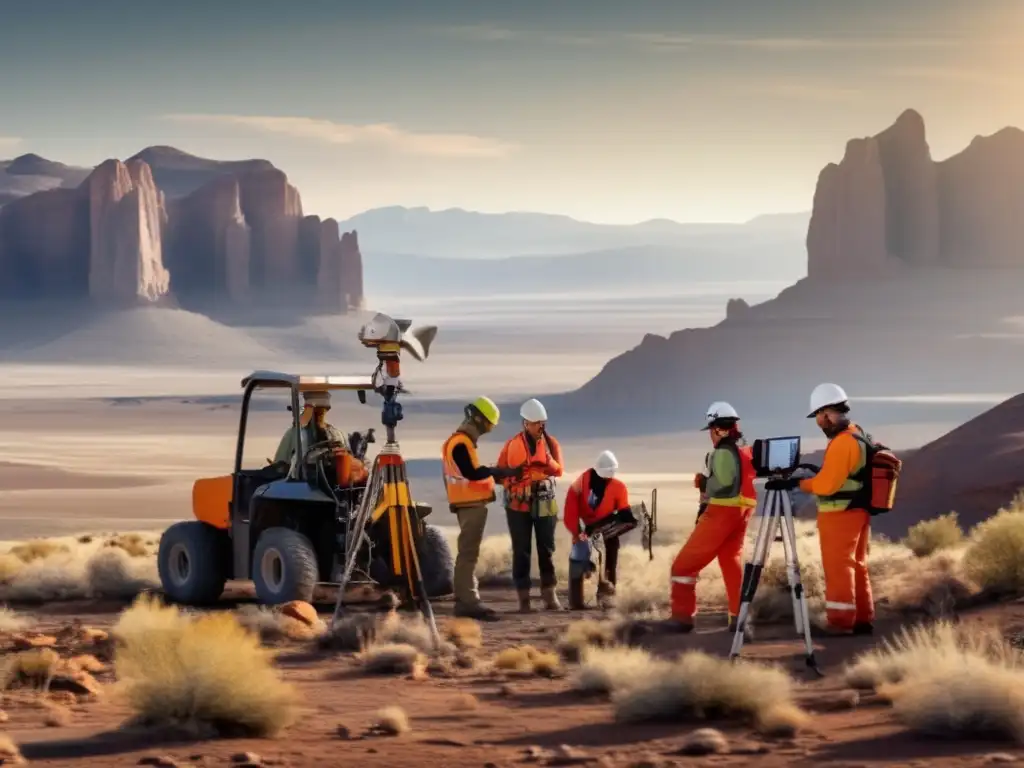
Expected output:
(845, 533)
(731, 499)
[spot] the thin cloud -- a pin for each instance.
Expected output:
(493, 33)
(387, 135)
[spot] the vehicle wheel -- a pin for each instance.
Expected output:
(193, 562)
(284, 567)
(436, 562)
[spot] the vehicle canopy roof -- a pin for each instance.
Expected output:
(306, 382)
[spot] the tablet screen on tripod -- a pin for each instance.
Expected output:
(783, 453)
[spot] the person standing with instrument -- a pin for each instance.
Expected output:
(530, 504)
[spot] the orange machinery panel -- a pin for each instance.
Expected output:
(211, 500)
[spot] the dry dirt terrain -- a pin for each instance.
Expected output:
(480, 715)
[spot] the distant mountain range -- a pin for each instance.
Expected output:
(457, 233)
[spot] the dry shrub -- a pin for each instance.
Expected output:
(9, 752)
(527, 660)
(393, 659)
(205, 673)
(10, 566)
(351, 634)
(271, 625)
(37, 549)
(697, 685)
(391, 721)
(935, 646)
(934, 585)
(604, 670)
(356, 632)
(59, 571)
(929, 536)
(34, 668)
(995, 555)
(584, 634)
(463, 633)
(132, 543)
(12, 622)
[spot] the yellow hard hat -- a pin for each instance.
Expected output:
(486, 407)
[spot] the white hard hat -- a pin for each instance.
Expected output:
(716, 411)
(824, 395)
(317, 398)
(606, 464)
(533, 410)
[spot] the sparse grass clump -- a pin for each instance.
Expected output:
(37, 549)
(9, 567)
(933, 646)
(391, 721)
(132, 543)
(995, 556)
(584, 634)
(604, 670)
(393, 659)
(34, 668)
(9, 752)
(272, 625)
(12, 622)
(464, 634)
(929, 536)
(205, 672)
(701, 686)
(527, 660)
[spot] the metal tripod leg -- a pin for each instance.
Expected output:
(795, 584)
(792, 575)
(752, 570)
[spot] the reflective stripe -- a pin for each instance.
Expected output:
(849, 486)
(684, 579)
(840, 606)
(735, 501)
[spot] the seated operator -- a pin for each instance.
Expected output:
(315, 429)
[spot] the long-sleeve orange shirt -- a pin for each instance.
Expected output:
(842, 455)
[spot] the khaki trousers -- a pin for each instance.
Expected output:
(471, 532)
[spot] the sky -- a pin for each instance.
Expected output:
(615, 112)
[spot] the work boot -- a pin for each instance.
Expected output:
(524, 601)
(863, 628)
(576, 602)
(550, 599)
(479, 611)
(605, 593)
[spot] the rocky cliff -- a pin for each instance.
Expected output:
(218, 232)
(888, 205)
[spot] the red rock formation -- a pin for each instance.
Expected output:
(887, 204)
(209, 242)
(126, 217)
(847, 229)
(352, 270)
(272, 209)
(981, 200)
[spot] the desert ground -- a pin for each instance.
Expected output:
(95, 461)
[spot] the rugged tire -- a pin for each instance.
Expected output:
(284, 567)
(193, 562)
(436, 563)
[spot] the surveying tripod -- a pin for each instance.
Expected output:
(387, 492)
(776, 525)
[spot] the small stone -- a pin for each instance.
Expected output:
(300, 611)
(247, 757)
(703, 741)
(566, 755)
(1000, 757)
(343, 733)
(445, 742)
(75, 681)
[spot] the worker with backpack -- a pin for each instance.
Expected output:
(857, 480)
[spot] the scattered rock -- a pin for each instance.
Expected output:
(163, 761)
(566, 755)
(1001, 757)
(703, 741)
(343, 733)
(446, 742)
(247, 757)
(75, 681)
(533, 754)
(28, 642)
(301, 611)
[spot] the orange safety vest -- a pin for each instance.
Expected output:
(615, 497)
(462, 492)
(519, 493)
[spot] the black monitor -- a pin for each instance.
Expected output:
(776, 455)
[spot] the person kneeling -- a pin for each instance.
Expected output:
(596, 501)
